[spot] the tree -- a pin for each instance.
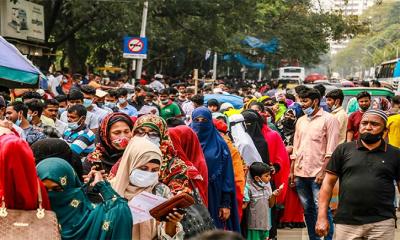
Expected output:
(370, 49)
(180, 31)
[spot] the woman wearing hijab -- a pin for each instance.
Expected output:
(18, 178)
(266, 114)
(287, 126)
(221, 183)
(281, 105)
(77, 216)
(53, 147)
(253, 125)
(138, 172)
(173, 171)
(293, 213)
(238, 164)
(113, 136)
(381, 103)
(188, 148)
(243, 141)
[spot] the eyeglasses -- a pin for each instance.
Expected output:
(141, 133)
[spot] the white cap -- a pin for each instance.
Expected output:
(41, 92)
(101, 93)
(159, 76)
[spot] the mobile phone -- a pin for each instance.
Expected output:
(181, 211)
(98, 165)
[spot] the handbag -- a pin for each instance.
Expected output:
(28, 224)
(180, 201)
(197, 218)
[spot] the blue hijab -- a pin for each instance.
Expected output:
(221, 182)
(213, 145)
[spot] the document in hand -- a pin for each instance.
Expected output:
(141, 204)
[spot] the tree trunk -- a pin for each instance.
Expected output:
(74, 62)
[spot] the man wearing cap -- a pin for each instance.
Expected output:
(366, 169)
(156, 83)
(99, 99)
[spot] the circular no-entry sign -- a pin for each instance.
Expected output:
(135, 45)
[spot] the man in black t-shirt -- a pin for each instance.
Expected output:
(366, 169)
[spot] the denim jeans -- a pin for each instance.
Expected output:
(308, 191)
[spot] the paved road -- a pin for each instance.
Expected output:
(301, 234)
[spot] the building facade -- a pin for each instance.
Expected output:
(349, 7)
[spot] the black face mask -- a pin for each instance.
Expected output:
(288, 122)
(370, 138)
(140, 99)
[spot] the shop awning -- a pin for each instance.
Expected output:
(16, 71)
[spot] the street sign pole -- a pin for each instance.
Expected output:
(142, 34)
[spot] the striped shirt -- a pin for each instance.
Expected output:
(81, 142)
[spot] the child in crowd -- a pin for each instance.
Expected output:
(260, 198)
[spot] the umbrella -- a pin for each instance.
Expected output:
(16, 71)
(235, 100)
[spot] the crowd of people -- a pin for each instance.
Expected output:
(95, 144)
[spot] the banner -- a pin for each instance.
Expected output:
(22, 20)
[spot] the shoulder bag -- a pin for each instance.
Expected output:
(28, 224)
(197, 218)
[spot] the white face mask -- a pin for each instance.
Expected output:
(155, 140)
(142, 178)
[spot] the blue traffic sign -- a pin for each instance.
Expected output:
(135, 47)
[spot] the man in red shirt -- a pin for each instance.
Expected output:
(364, 102)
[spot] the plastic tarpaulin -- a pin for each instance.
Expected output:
(269, 47)
(244, 61)
(16, 71)
(235, 100)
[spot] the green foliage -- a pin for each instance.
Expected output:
(376, 46)
(180, 31)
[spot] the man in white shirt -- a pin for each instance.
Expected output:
(54, 82)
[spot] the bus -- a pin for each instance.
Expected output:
(389, 72)
(289, 75)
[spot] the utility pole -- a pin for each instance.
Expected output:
(142, 34)
(214, 76)
(244, 72)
